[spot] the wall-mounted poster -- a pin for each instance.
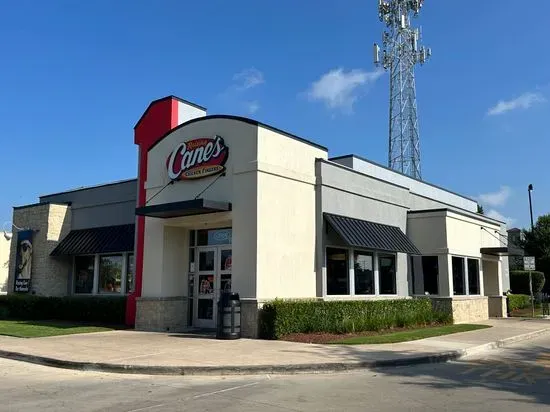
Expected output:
(23, 261)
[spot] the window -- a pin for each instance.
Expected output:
(430, 268)
(387, 274)
(84, 274)
(337, 272)
(363, 265)
(104, 274)
(459, 281)
(473, 276)
(211, 237)
(130, 268)
(110, 274)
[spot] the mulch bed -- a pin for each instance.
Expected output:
(322, 338)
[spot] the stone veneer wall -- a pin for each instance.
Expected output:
(52, 222)
(164, 314)
(464, 309)
(5, 249)
(497, 307)
(250, 311)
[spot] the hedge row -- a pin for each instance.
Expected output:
(100, 309)
(519, 282)
(516, 302)
(283, 317)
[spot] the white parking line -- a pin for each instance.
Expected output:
(202, 395)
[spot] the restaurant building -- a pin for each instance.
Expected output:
(228, 203)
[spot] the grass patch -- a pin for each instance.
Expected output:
(40, 329)
(409, 335)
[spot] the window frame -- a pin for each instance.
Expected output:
(437, 278)
(351, 283)
(465, 260)
(379, 255)
(351, 273)
(95, 288)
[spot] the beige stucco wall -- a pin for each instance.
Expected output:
(4, 262)
(238, 187)
(286, 216)
(446, 233)
(428, 232)
(52, 222)
(270, 182)
(465, 236)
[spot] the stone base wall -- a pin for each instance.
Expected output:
(497, 307)
(162, 314)
(463, 309)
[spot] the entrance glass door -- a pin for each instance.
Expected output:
(213, 277)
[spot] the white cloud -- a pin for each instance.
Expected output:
(498, 198)
(498, 216)
(253, 107)
(339, 89)
(248, 78)
(525, 101)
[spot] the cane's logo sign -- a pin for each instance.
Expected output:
(197, 158)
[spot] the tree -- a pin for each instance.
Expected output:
(537, 243)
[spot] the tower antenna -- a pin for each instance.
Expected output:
(401, 52)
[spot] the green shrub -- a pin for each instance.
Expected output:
(100, 309)
(282, 317)
(516, 302)
(519, 282)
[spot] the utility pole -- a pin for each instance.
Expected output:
(401, 53)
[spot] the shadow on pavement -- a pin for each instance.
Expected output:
(525, 372)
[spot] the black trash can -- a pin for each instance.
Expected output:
(229, 316)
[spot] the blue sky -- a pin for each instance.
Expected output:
(75, 76)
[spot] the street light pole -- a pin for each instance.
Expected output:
(530, 189)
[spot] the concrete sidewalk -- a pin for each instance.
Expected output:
(180, 354)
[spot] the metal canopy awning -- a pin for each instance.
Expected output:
(495, 251)
(370, 235)
(107, 239)
(184, 208)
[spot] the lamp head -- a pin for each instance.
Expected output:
(530, 187)
(8, 236)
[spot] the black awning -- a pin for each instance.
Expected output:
(496, 251)
(184, 208)
(370, 235)
(107, 239)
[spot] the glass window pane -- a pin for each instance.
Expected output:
(209, 237)
(459, 284)
(364, 273)
(206, 260)
(337, 272)
(192, 260)
(84, 274)
(473, 276)
(225, 283)
(387, 275)
(430, 267)
(192, 237)
(205, 309)
(130, 269)
(226, 261)
(206, 284)
(110, 273)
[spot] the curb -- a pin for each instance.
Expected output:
(267, 369)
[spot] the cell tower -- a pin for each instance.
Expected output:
(401, 53)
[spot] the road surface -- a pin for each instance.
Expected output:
(511, 379)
